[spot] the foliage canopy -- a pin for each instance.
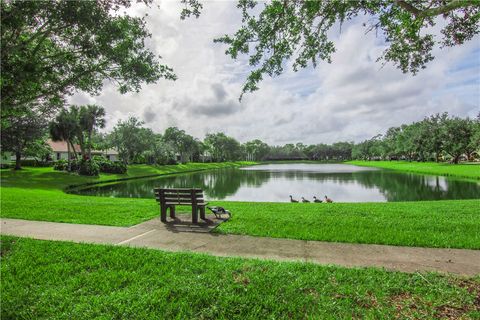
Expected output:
(298, 30)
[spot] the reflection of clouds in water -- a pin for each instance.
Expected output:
(280, 189)
(439, 183)
(305, 168)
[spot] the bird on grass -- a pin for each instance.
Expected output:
(305, 200)
(293, 200)
(316, 200)
(328, 200)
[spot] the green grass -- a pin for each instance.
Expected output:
(56, 206)
(443, 224)
(469, 171)
(60, 280)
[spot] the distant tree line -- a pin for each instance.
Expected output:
(439, 137)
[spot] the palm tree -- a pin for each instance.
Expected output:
(64, 128)
(90, 118)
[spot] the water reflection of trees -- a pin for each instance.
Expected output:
(397, 186)
(410, 187)
(219, 184)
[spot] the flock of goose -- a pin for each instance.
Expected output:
(315, 199)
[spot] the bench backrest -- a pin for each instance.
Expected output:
(180, 196)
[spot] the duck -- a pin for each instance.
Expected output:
(316, 200)
(328, 200)
(293, 200)
(305, 200)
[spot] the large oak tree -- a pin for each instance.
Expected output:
(50, 49)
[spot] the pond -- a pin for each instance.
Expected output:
(275, 182)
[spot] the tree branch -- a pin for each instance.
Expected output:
(432, 12)
(407, 6)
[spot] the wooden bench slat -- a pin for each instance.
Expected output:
(185, 203)
(180, 199)
(179, 195)
(177, 190)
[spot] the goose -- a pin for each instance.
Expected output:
(328, 200)
(315, 199)
(293, 200)
(305, 200)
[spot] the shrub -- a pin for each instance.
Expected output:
(61, 165)
(108, 166)
(114, 167)
(35, 163)
(88, 168)
(5, 166)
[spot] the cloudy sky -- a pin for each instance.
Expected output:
(353, 99)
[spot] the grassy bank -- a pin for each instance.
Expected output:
(469, 171)
(47, 178)
(443, 224)
(44, 280)
(37, 194)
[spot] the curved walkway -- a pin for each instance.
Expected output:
(156, 235)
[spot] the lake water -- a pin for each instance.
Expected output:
(275, 182)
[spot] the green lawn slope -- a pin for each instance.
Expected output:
(60, 280)
(469, 171)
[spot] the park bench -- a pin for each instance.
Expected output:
(169, 198)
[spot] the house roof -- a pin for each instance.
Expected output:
(107, 152)
(61, 146)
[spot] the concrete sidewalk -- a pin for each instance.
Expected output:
(156, 235)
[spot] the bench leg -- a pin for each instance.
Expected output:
(172, 212)
(163, 213)
(202, 212)
(194, 214)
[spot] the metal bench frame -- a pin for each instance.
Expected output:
(169, 198)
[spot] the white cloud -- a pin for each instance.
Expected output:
(351, 99)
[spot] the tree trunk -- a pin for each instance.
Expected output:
(455, 159)
(73, 148)
(89, 146)
(68, 158)
(18, 157)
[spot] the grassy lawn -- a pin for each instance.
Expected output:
(61, 280)
(443, 224)
(55, 205)
(469, 171)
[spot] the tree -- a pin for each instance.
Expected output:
(181, 142)
(39, 149)
(222, 147)
(159, 152)
(299, 30)
(458, 134)
(475, 141)
(256, 150)
(436, 133)
(50, 49)
(65, 128)
(131, 139)
(23, 133)
(91, 117)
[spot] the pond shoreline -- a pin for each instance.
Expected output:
(274, 182)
